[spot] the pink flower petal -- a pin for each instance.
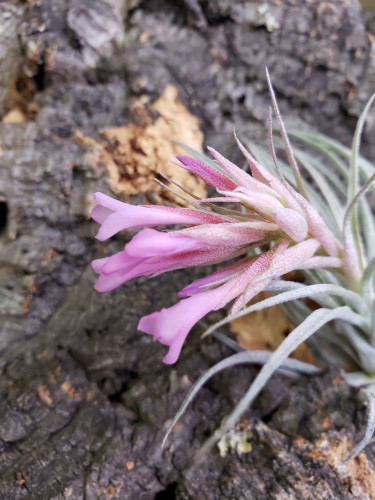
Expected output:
(100, 213)
(109, 202)
(110, 225)
(121, 262)
(129, 216)
(151, 252)
(149, 243)
(205, 257)
(207, 173)
(131, 267)
(98, 264)
(107, 283)
(171, 326)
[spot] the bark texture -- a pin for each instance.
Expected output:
(85, 399)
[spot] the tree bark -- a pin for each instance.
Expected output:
(85, 398)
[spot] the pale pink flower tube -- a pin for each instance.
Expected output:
(171, 326)
(114, 216)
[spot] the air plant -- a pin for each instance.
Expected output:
(275, 223)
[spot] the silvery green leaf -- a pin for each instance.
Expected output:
(304, 291)
(354, 156)
(316, 320)
(289, 367)
(369, 395)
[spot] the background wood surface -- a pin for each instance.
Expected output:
(85, 399)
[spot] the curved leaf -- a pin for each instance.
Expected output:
(311, 324)
(289, 367)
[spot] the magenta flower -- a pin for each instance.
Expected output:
(267, 211)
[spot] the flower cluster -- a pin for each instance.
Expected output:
(268, 230)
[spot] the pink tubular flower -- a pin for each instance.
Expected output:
(264, 211)
(114, 216)
(171, 326)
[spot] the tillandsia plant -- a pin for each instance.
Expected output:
(267, 223)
